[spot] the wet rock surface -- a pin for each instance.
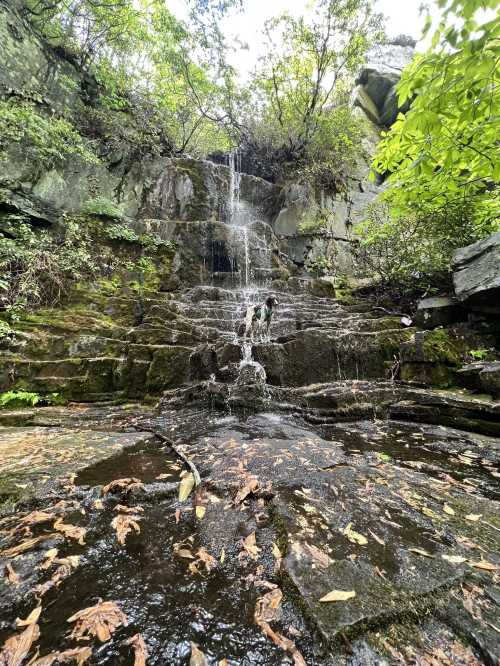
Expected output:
(403, 516)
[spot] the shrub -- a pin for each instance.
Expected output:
(24, 398)
(45, 139)
(102, 207)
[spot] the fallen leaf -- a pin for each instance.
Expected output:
(71, 531)
(11, 575)
(207, 559)
(250, 546)
(185, 553)
(49, 558)
(24, 546)
(247, 489)
(454, 559)
(222, 556)
(420, 551)
(338, 595)
(223, 662)
(197, 657)
(72, 561)
(186, 486)
(100, 620)
(447, 509)
(200, 511)
(318, 555)
(121, 508)
(124, 524)
(122, 485)
(37, 517)
(98, 504)
(377, 538)
(267, 610)
(177, 516)
(31, 619)
(354, 537)
(140, 649)
(483, 564)
(16, 648)
(473, 517)
(79, 655)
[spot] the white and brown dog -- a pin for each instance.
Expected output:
(258, 318)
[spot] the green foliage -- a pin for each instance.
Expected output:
(5, 328)
(39, 267)
(320, 266)
(19, 398)
(302, 86)
(43, 138)
(479, 354)
(443, 155)
(410, 252)
(23, 398)
(102, 207)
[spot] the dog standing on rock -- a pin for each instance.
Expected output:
(258, 318)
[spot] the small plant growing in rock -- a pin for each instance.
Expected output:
(479, 354)
(102, 207)
(24, 398)
(121, 232)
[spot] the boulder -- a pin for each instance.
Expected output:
(489, 378)
(439, 311)
(476, 275)
(430, 357)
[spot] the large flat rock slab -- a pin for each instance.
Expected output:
(30, 457)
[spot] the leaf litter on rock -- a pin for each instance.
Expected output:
(16, 648)
(338, 595)
(11, 575)
(138, 645)
(77, 655)
(267, 609)
(99, 621)
(123, 524)
(71, 531)
(126, 485)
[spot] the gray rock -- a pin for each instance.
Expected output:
(439, 311)
(476, 274)
(489, 378)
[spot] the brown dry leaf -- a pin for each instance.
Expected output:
(31, 619)
(78, 655)
(483, 564)
(250, 487)
(16, 648)
(250, 546)
(420, 551)
(207, 559)
(473, 517)
(124, 524)
(100, 620)
(223, 662)
(354, 537)
(24, 546)
(122, 485)
(60, 574)
(197, 657)
(177, 516)
(98, 504)
(37, 517)
(140, 649)
(338, 595)
(193, 568)
(71, 531)
(49, 556)
(121, 508)
(186, 486)
(185, 553)
(200, 511)
(447, 509)
(266, 610)
(318, 555)
(11, 575)
(72, 561)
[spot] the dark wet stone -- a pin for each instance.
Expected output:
(439, 311)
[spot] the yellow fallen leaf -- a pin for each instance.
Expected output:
(421, 551)
(100, 620)
(186, 486)
(447, 509)
(185, 553)
(11, 575)
(16, 648)
(473, 517)
(338, 595)
(200, 511)
(354, 537)
(222, 556)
